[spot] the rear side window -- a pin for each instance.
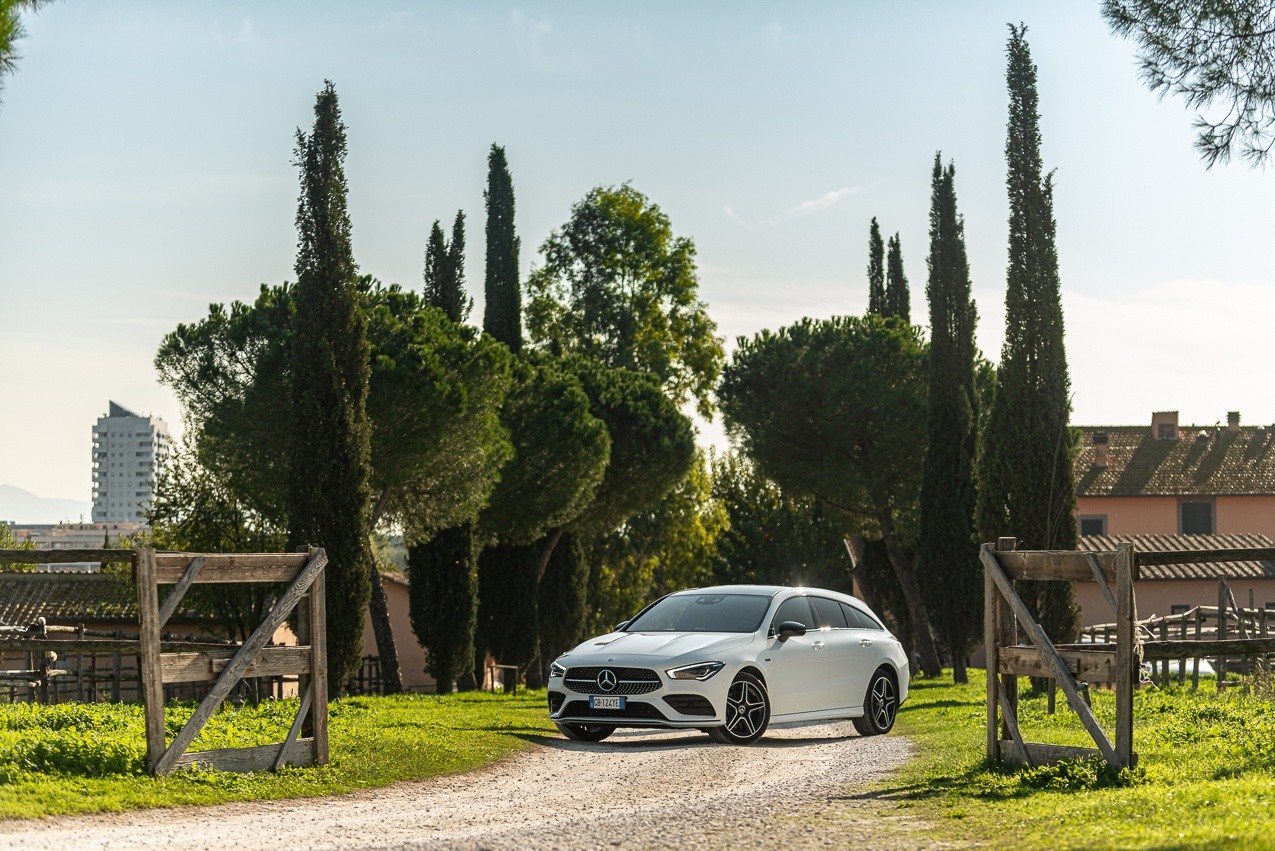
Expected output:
(794, 609)
(829, 613)
(860, 619)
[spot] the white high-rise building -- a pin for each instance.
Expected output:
(129, 451)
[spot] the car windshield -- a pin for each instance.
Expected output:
(703, 613)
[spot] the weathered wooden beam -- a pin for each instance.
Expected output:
(208, 665)
(1056, 564)
(1205, 556)
(281, 759)
(179, 590)
(99, 645)
(1044, 754)
(1088, 666)
(1101, 580)
(1176, 648)
(1011, 721)
(1128, 655)
(992, 651)
(247, 654)
(230, 567)
(260, 758)
(64, 556)
(152, 683)
(1045, 646)
(317, 611)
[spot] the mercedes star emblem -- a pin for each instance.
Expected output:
(606, 679)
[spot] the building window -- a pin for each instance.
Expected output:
(1179, 609)
(1093, 524)
(1195, 517)
(1166, 431)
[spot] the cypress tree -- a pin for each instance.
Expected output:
(947, 552)
(876, 270)
(898, 300)
(328, 490)
(445, 271)
(443, 596)
(1025, 466)
(502, 310)
(460, 303)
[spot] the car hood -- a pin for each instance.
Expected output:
(665, 645)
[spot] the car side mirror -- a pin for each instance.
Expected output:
(788, 629)
(621, 625)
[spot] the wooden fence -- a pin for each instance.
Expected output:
(1072, 666)
(164, 661)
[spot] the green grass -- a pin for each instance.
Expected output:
(1205, 777)
(77, 758)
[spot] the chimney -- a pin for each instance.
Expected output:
(1202, 438)
(1164, 425)
(1232, 420)
(1100, 448)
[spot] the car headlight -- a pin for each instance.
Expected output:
(556, 670)
(699, 671)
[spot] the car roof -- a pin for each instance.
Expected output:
(760, 590)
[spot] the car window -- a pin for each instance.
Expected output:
(860, 619)
(794, 609)
(702, 613)
(829, 613)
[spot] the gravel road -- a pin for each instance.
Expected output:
(793, 789)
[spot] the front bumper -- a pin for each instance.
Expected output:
(651, 699)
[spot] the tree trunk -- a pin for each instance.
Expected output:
(931, 665)
(547, 552)
(959, 674)
(391, 675)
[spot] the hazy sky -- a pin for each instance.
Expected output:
(146, 171)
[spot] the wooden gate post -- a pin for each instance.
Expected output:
(148, 668)
(1128, 665)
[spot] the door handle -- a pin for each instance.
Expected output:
(818, 645)
(865, 642)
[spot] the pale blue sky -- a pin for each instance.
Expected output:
(145, 160)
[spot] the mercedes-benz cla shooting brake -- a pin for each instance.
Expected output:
(731, 661)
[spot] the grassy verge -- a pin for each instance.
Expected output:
(78, 758)
(1205, 778)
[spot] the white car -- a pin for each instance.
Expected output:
(730, 661)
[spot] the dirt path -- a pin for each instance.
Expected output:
(636, 790)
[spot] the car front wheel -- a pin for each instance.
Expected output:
(747, 712)
(880, 705)
(585, 732)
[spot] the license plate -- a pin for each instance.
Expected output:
(602, 702)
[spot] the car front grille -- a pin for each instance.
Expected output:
(627, 680)
(635, 711)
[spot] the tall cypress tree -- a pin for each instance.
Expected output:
(876, 270)
(947, 552)
(443, 596)
(898, 300)
(328, 490)
(445, 271)
(1025, 466)
(502, 311)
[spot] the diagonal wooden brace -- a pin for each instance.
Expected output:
(174, 597)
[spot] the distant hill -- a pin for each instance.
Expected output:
(22, 506)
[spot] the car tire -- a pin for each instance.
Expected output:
(747, 712)
(880, 705)
(586, 732)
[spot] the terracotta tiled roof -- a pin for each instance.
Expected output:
(69, 598)
(1212, 570)
(1239, 463)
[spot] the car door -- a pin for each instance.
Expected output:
(798, 675)
(850, 661)
(866, 638)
